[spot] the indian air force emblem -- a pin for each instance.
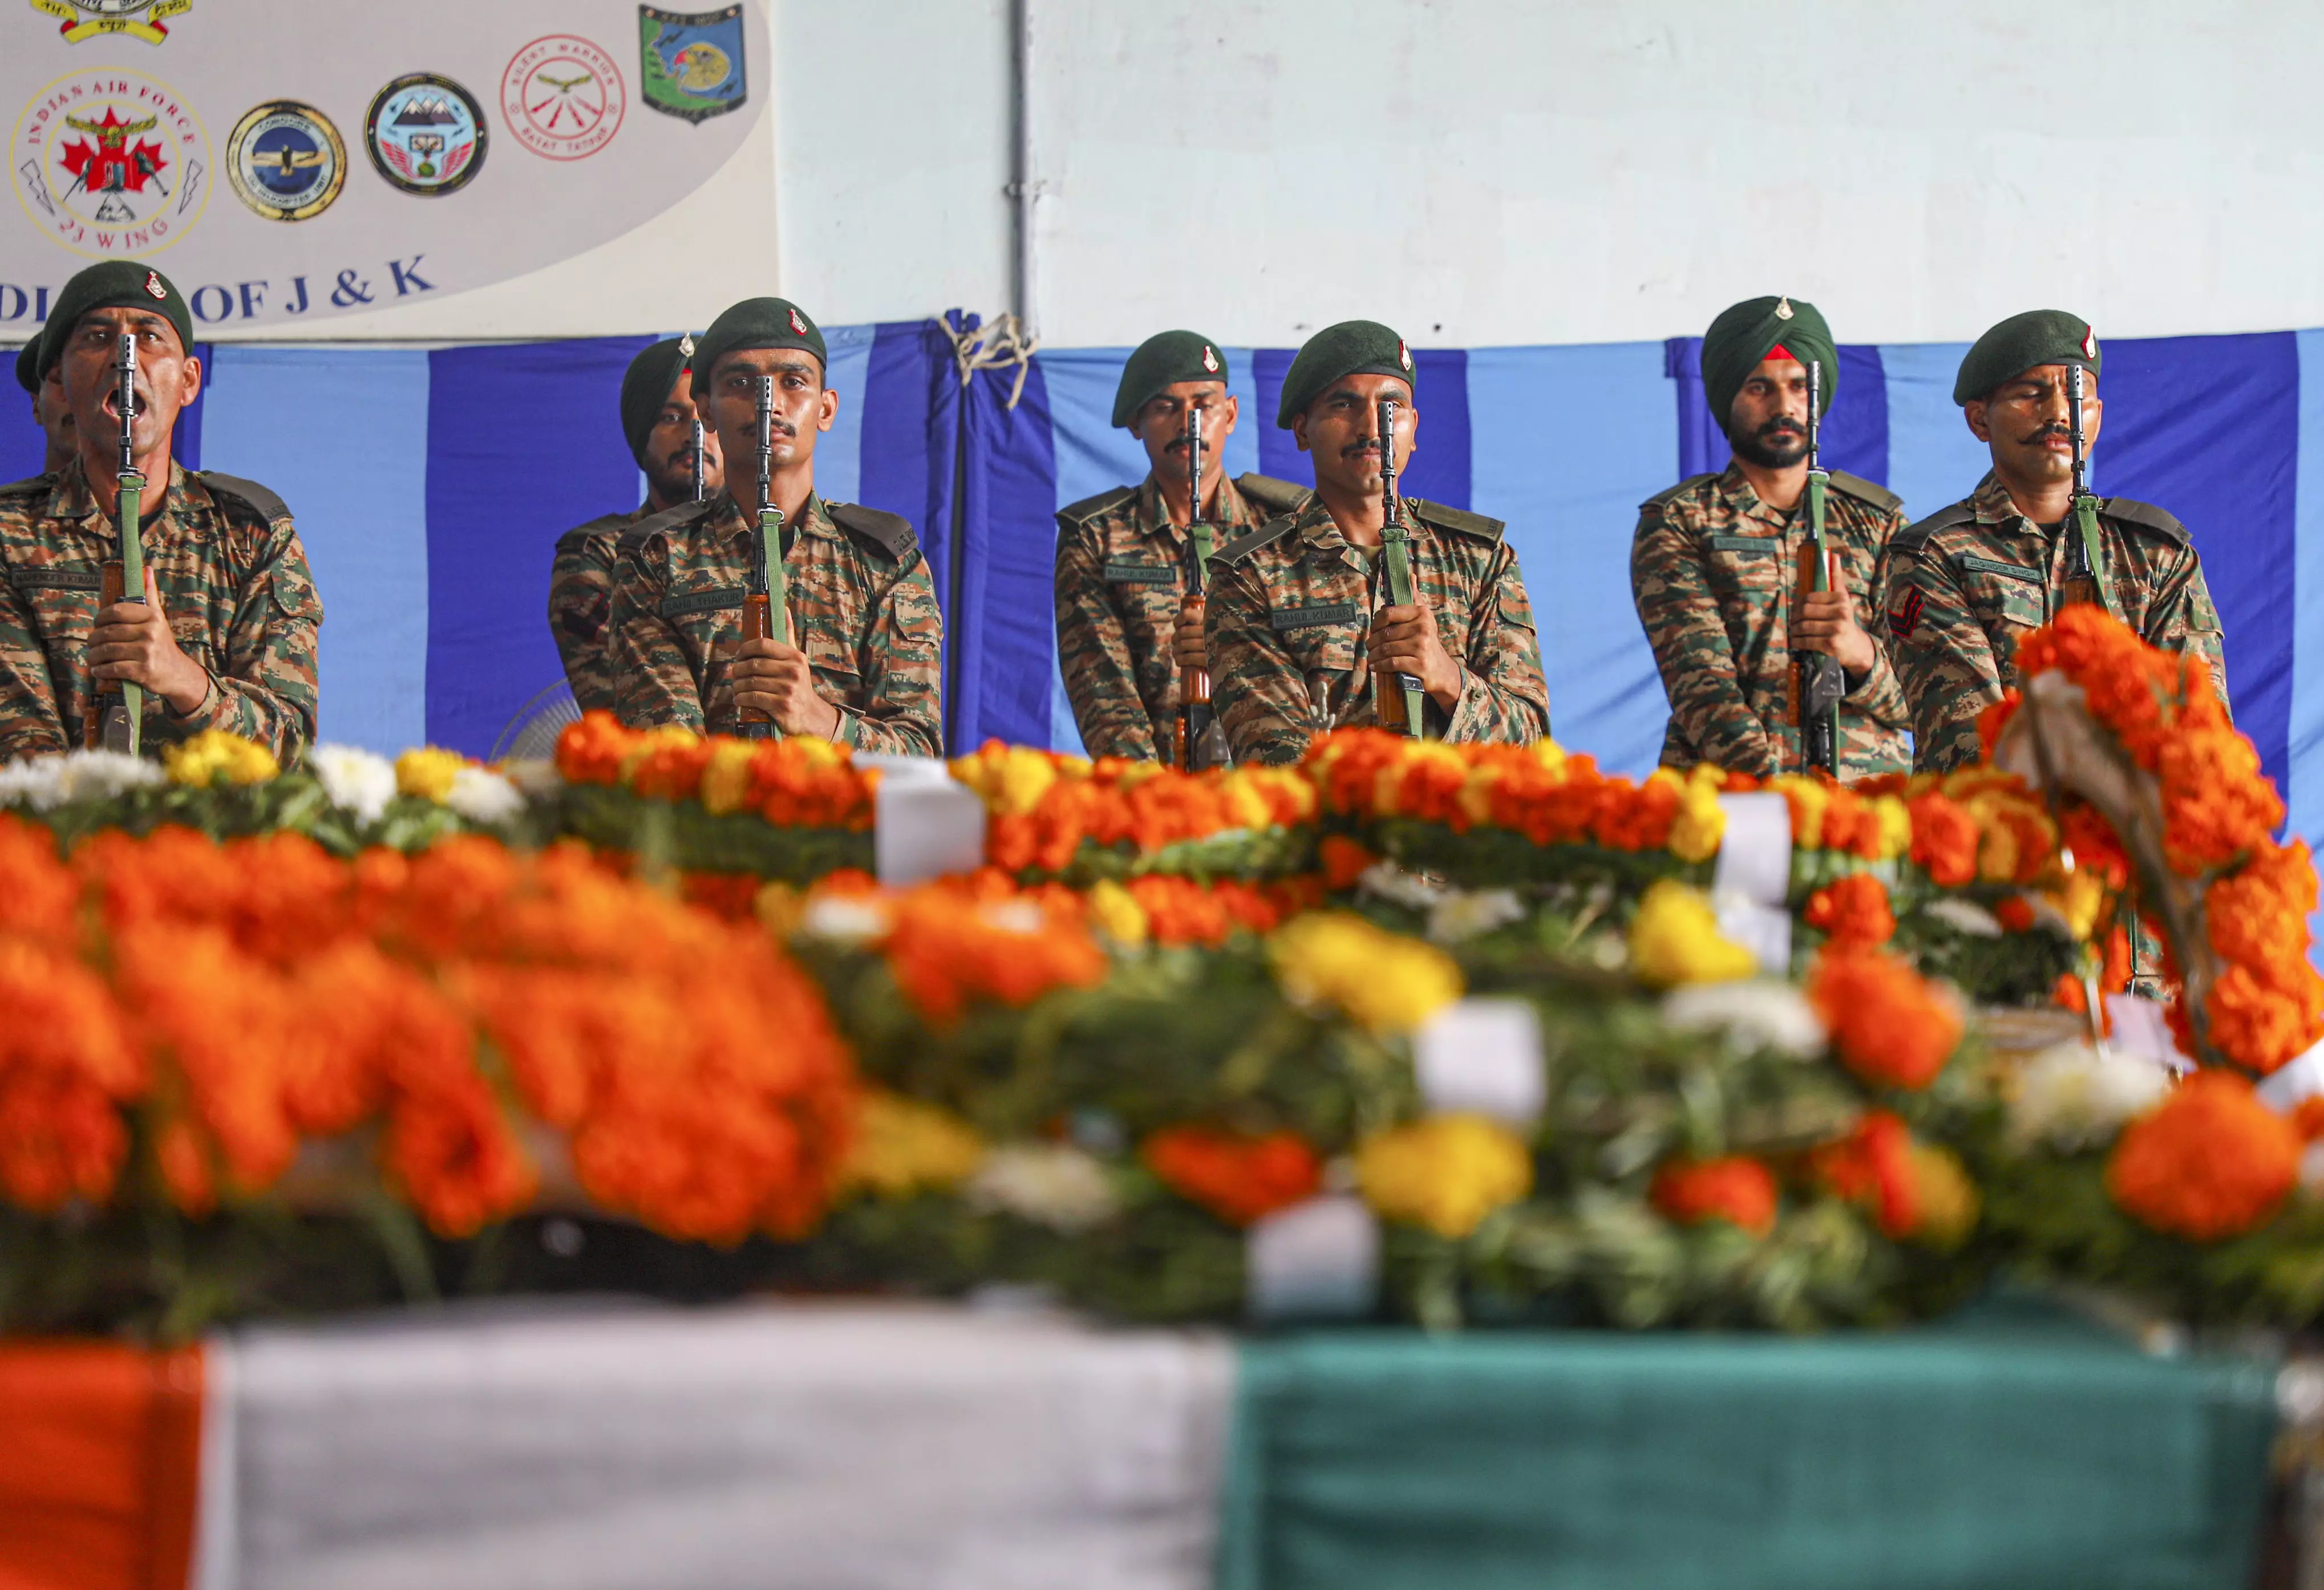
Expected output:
(111, 163)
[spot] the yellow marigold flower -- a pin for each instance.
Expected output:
(902, 1146)
(1387, 982)
(1809, 801)
(649, 743)
(1895, 821)
(1025, 776)
(1130, 777)
(1946, 1196)
(217, 757)
(726, 778)
(1246, 807)
(1388, 783)
(1446, 1172)
(2079, 901)
(1116, 912)
(781, 908)
(1477, 794)
(1675, 939)
(1701, 824)
(428, 771)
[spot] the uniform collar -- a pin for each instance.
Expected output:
(1736, 489)
(71, 499)
(1994, 507)
(814, 519)
(1231, 513)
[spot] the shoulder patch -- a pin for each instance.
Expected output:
(1686, 485)
(1089, 507)
(250, 494)
(1914, 536)
(889, 532)
(2145, 515)
(657, 524)
(1857, 486)
(1243, 546)
(1274, 495)
(1455, 519)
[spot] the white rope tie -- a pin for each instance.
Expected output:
(998, 344)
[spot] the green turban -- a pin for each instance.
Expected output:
(645, 388)
(112, 284)
(1352, 347)
(1164, 360)
(1747, 333)
(28, 366)
(755, 323)
(2038, 336)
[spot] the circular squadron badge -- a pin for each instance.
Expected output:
(286, 161)
(562, 97)
(111, 163)
(425, 135)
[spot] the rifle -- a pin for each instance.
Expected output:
(764, 600)
(699, 470)
(1201, 742)
(114, 715)
(1395, 697)
(2085, 558)
(1818, 681)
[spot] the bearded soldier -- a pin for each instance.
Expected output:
(864, 666)
(1124, 556)
(1969, 582)
(1714, 565)
(1296, 623)
(225, 636)
(658, 420)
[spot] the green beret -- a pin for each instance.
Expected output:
(1352, 347)
(755, 323)
(28, 366)
(645, 388)
(2038, 336)
(1165, 359)
(1745, 333)
(110, 285)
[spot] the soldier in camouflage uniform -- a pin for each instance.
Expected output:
(1123, 554)
(866, 665)
(1714, 566)
(1966, 583)
(225, 638)
(50, 414)
(1296, 623)
(658, 417)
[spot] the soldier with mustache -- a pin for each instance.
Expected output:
(225, 635)
(1969, 582)
(1714, 565)
(658, 415)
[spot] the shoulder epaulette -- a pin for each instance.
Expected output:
(1089, 507)
(1871, 492)
(2145, 514)
(268, 507)
(1688, 485)
(1456, 518)
(31, 485)
(1914, 536)
(1274, 495)
(1267, 535)
(669, 518)
(891, 532)
(595, 527)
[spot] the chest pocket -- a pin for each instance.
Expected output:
(1321, 636)
(1744, 565)
(63, 600)
(2004, 596)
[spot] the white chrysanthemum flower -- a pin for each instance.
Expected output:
(483, 796)
(845, 919)
(2071, 1096)
(1964, 916)
(46, 783)
(32, 781)
(1757, 1012)
(1395, 884)
(1464, 914)
(359, 782)
(1051, 1185)
(536, 779)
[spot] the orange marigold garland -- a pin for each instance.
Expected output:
(1237, 1177)
(2209, 1162)
(1852, 911)
(1737, 1188)
(1889, 1025)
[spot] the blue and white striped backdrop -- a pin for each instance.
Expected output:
(429, 486)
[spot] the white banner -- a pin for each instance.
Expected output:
(286, 163)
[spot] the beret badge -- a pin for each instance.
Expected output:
(153, 286)
(797, 325)
(1210, 359)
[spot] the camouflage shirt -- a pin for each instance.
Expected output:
(1966, 584)
(1714, 572)
(581, 605)
(1121, 579)
(1291, 602)
(234, 581)
(861, 607)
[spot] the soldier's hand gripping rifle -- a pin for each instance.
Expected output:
(701, 489)
(1818, 681)
(2085, 558)
(1201, 742)
(1397, 697)
(115, 712)
(764, 617)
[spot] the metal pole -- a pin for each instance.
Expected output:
(1025, 185)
